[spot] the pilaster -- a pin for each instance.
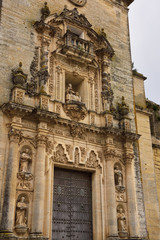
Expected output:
(130, 188)
(8, 213)
(110, 188)
(39, 187)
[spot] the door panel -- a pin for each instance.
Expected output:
(72, 205)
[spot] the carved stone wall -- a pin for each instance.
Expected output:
(60, 109)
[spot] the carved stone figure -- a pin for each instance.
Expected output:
(121, 220)
(118, 176)
(21, 216)
(72, 95)
(25, 158)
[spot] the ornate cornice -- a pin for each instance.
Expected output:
(36, 114)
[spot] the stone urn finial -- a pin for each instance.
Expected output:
(45, 11)
(18, 76)
(123, 108)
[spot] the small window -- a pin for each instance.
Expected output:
(76, 31)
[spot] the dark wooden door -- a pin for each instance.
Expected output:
(72, 205)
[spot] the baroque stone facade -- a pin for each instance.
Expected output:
(67, 107)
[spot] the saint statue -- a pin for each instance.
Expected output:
(118, 176)
(121, 219)
(71, 95)
(24, 161)
(21, 219)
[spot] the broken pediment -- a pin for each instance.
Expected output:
(79, 37)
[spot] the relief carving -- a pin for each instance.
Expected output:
(92, 160)
(59, 155)
(76, 111)
(77, 131)
(69, 149)
(83, 154)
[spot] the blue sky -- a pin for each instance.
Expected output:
(144, 21)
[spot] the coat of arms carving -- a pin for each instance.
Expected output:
(79, 3)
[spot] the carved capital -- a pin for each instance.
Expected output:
(109, 154)
(129, 158)
(14, 135)
(41, 140)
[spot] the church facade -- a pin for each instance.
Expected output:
(69, 166)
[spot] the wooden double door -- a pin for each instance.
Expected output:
(72, 205)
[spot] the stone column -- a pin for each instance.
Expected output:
(110, 189)
(8, 213)
(39, 184)
(130, 189)
(97, 205)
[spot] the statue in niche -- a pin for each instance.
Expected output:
(72, 96)
(118, 176)
(25, 158)
(21, 213)
(121, 219)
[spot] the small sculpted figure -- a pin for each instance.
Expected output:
(21, 219)
(121, 219)
(24, 161)
(71, 95)
(118, 176)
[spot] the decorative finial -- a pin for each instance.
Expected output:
(45, 11)
(18, 76)
(103, 33)
(123, 108)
